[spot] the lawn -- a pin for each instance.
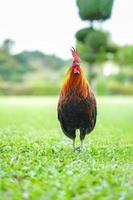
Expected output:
(37, 160)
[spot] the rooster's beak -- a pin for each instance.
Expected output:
(76, 71)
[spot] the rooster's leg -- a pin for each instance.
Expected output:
(74, 148)
(81, 145)
(82, 136)
(71, 134)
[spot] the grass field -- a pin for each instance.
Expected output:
(37, 160)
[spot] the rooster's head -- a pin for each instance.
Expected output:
(76, 61)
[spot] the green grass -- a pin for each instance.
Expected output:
(37, 160)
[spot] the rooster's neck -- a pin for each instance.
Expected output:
(75, 85)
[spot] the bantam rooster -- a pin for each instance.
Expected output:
(77, 104)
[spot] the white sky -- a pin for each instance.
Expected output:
(50, 25)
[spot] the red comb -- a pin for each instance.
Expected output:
(75, 54)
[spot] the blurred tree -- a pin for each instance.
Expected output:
(7, 45)
(91, 10)
(37, 59)
(11, 69)
(93, 44)
(124, 56)
(95, 47)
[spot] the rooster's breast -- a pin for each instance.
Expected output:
(75, 114)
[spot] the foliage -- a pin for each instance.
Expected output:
(37, 59)
(38, 89)
(111, 86)
(125, 75)
(16, 68)
(37, 160)
(36, 73)
(92, 51)
(124, 56)
(94, 44)
(82, 34)
(10, 69)
(95, 9)
(97, 40)
(7, 45)
(120, 88)
(101, 86)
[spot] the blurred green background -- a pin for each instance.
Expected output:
(108, 66)
(36, 159)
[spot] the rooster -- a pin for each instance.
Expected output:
(77, 104)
